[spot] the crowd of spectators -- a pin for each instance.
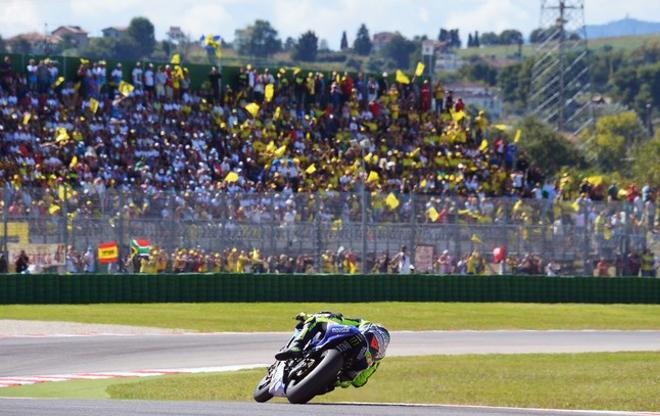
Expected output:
(233, 260)
(278, 145)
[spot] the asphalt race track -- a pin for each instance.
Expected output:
(22, 356)
(57, 355)
(16, 407)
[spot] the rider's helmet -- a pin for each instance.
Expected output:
(378, 339)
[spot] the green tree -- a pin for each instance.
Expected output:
(545, 147)
(362, 44)
(607, 147)
(101, 48)
(3, 48)
(259, 39)
(139, 35)
(480, 71)
(306, 47)
(646, 159)
(511, 37)
(343, 45)
(289, 43)
(490, 38)
(443, 36)
(399, 50)
(454, 39)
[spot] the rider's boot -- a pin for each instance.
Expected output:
(294, 351)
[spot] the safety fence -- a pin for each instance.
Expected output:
(47, 223)
(82, 289)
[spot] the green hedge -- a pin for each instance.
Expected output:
(66, 289)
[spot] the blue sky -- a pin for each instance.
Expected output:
(292, 17)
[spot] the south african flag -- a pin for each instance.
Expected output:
(140, 247)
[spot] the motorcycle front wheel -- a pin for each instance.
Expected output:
(261, 393)
(318, 380)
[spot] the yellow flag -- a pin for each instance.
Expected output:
(458, 115)
(270, 148)
(373, 176)
(269, 92)
(483, 148)
(517, 206)
(26, 118)
(61, 192)
(402, 78)
(125, 88)
(311, 169)
(433, 214)
(576, 206)
(252, 108)
(391, 201)
(595, 180)
(501, 127)
(231, 177)
(277, 114)
(176, 59)
(516, 138)
(74, 162)
(475, 239)
(93, 105)
(58, 82)
(61, 135)
(84, 61)
(419, 70)
(280, 151)
(53, 209)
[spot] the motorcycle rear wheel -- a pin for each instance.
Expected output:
(318, 380)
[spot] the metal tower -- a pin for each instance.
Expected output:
(560, 90)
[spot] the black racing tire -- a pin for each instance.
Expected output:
(318, 380)
(261, 393)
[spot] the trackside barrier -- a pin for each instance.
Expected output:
(71, 289)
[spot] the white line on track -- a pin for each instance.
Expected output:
(11, 381)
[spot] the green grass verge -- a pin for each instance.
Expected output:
(395, 315)
(615, 381)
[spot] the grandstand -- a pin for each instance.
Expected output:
(284, 170)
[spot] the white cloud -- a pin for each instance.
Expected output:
(492, 15)
(17, 16)
(328, 18)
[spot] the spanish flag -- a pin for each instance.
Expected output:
(108, 252)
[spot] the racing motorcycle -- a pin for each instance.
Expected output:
(325, 359)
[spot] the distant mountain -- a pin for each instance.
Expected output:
(623, 27)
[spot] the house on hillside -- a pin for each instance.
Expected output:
(113, 32)
(381, 39)
(447, 62)
(31, 42)
(480, 96)
(76, 35)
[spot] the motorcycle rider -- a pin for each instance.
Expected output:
(376, 337)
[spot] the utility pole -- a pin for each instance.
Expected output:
(560, 89)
